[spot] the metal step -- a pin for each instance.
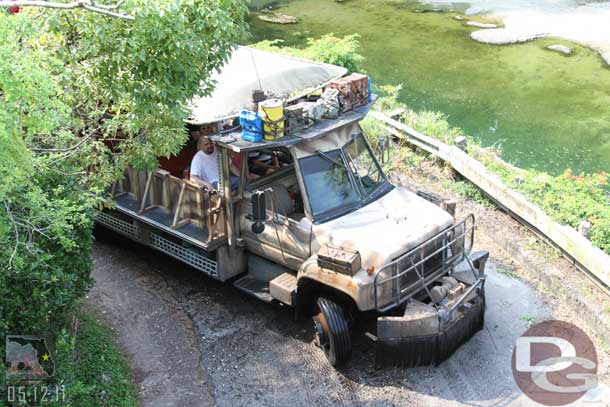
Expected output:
(255, 287)
(283, 286)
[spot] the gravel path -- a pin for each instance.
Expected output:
(195, 341)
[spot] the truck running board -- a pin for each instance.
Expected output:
(254, 287)
(280, 288)
(283, 287)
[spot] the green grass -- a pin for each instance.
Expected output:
(529, 320)
(508, 273)
(101, 366)
(470, 191)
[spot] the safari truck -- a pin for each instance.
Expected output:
(325, 231)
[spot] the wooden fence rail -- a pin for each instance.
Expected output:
(578, 248)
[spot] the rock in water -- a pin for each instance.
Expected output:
(560, 48)
(481, 25)
(503, 36)
(277, 18)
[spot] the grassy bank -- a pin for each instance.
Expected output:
(90, 366)
(567, 198)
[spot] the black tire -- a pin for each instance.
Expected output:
(332, 332)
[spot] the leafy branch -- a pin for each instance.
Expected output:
(110, 10)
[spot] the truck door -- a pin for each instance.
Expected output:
(287, 234)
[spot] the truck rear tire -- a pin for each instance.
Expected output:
(332, 332)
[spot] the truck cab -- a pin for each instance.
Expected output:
(319, 228)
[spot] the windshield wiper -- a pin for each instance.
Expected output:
(354, 171)
(329, 158)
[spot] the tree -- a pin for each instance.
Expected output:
(91, 5)
(82, 94)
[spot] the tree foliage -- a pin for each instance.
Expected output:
(81, 96)
(328, 49)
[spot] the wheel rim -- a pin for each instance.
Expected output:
(321, 338)
(332, 332)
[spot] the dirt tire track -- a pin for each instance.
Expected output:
(153, 330)
(278, 342)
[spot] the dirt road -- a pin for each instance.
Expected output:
(198, 342)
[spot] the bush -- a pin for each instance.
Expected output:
(45, 247)
(328, 49)
(569, 199)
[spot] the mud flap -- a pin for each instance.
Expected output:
(412, 351)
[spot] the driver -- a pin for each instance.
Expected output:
(204, 167)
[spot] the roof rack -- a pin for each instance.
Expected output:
(234, 142)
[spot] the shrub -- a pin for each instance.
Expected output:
(328, 49)
(46, 243)
(569, 199)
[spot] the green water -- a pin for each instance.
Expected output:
(545, 110)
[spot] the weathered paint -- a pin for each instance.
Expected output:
(385, 228)
(380, 231)
(331, 141)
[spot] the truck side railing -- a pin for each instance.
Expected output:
(412, 272)
(182, 201)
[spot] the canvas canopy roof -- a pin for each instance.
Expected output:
(249, 69)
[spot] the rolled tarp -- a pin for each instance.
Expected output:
(249, 69)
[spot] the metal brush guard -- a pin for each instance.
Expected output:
(412, 272)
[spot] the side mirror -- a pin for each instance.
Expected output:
(259, 212)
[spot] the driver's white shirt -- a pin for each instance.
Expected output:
(205, 166)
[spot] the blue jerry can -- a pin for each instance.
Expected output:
(252, 126)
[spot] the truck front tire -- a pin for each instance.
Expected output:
(332, 332)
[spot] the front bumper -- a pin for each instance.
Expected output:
(422, 337)
(428, 334)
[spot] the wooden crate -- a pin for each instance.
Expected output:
(353, 91)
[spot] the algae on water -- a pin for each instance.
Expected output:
(543, 110)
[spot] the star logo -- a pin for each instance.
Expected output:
(45, 357)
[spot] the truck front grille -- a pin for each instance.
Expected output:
(412, 272)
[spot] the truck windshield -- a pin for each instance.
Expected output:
(363, 166)
(342, 178)
(327, 181)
